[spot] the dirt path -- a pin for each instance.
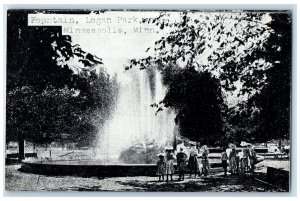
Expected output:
(19, 181)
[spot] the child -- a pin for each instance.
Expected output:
(169, 163)
(181, 160)
(237, 160)
(161, 167)
(232, 160)
(224, 159)
(248, 158)
(205, 161)
(193, 163)
(244, 160)
(253, 159)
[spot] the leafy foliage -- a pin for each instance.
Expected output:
(197, 100)
(274, 101)
(37, 56)
(41, 117)
(266, 115)
(221, 43)
(54, 88)
(247, 53)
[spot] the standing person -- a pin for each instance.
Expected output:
(181, 160)
(224, 159)
(253, 159)
(238, 162)
(248, 157)
(161, 167)
(198, 146)
(169, 163)
(244, 161)
(232, 159)
(205, 161)
(193, 163)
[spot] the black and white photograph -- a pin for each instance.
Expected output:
(148, 100)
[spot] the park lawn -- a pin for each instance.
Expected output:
(19, 181)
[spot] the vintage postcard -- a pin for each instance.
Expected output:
(148, 100)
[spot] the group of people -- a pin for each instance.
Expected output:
(239, 161)
(165, 164)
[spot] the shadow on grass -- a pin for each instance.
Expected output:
(232, 183)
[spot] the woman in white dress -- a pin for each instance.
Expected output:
(170, 157)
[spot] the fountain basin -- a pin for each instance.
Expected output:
(88, 168)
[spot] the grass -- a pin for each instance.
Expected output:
(19, 181)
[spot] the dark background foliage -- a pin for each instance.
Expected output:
(196, 98)
(265, 113)
(47, 99)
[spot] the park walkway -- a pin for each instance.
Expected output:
(211, 183)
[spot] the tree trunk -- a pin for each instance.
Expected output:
(174, 143)
(21, 148)
(279, 143)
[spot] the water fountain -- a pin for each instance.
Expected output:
(133, 121)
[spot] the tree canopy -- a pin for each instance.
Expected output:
(274, 101)
(197, 100)
(246, 52)
(53, 86)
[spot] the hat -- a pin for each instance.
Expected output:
(244, 144)
(193, 143)
(204, 146)
(160, 154)
(169, 148)
(232, 146)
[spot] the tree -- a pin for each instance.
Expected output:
(38, 56)
(274, 101)
(222, 43)
(197, 99)
(47, 94)
(235, 48)
(41, 117)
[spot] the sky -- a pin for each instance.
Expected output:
(116, 49)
